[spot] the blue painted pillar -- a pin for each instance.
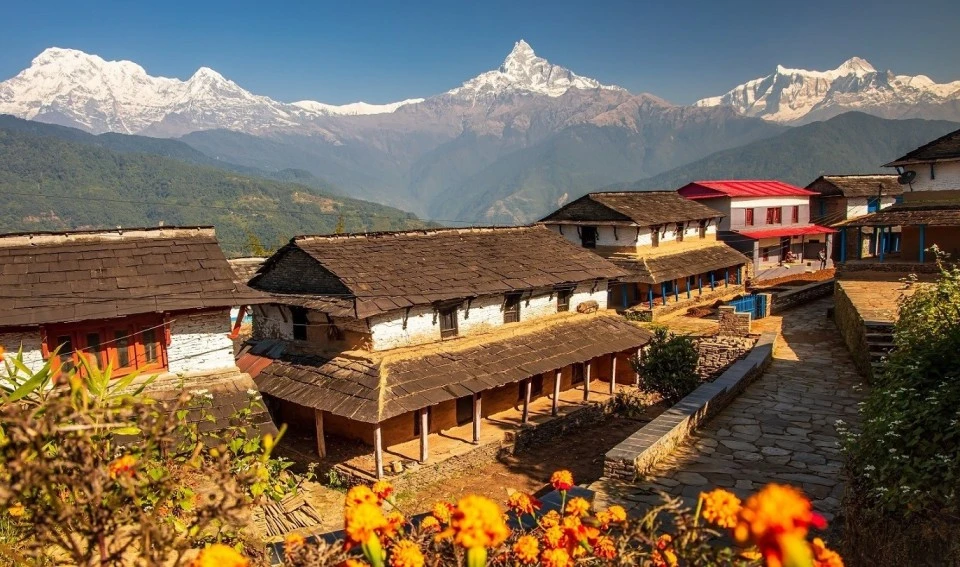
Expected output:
(739, 275)
(700, 283)
(663, 293)
(726, 279)
(880, 243)
(876, 241)
(623, 295)
(843, 245)
(713, 283)
(923, 242)
(676, 292)
(650, 295)
(859, 243)
(688, 287)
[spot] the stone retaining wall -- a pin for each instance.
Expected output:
(719, 352)
(853, 329)
(641, 451)
(733, 324)
(783, 300)
(528, 436)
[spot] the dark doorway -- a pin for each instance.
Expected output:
(588, 236)
(464, 410)
(784, 248)
(577, 373)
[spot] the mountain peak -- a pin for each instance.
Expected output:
(856, 66)
(521, 54)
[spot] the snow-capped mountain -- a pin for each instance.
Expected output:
(799, 95)
(522, 71)
(354, 108)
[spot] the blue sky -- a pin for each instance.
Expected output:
(340, 52)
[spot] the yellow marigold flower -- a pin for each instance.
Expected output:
(577, 507)
(554, 537)
(556, 557)
(360, 495)
(562, 480)
(362, 521)
(720, 507)
(442, 511)
(523, 503)
(430, 524)
(526, 549)
(354, 563)
(406, 554)
(219, 555)
(395, 521)
(477, 522)
(617, 513)
(550, 519)
(124, 466)
(776, 520)
(293, 541)
(382, 489)
(604, 548)
(665, 558)
(824, 557)
(17, 510)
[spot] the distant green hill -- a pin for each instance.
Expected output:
(52, 183)
(850, 143)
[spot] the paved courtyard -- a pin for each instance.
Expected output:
(781, 429)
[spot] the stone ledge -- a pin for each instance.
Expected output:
(784, 300)
(637, 454)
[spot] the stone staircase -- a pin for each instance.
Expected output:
(879, 335)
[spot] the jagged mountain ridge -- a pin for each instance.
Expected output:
(802, 96)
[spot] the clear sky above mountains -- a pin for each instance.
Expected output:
(339, 52)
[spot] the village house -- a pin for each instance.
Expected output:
(667, 244)
(150, 300)
(396, 337)
(769, 221)
(846, 197)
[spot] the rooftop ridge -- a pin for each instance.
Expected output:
(416, 232)
(116, 234)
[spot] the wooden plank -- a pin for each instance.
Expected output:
(378, 450)
(613, 374)
(586, 381)
(424, 434)
(556, 393)
(321, 439)
(527, 390)
(476, 419)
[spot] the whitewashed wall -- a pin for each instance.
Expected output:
(483, 315)
(784, 201)
(30, 341)
(857, 206)
(947, 177)
(625, 236)
(200, 342)
(272, 322)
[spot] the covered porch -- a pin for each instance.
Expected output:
(901, 234)
(782, 251)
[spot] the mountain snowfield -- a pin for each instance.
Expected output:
(799, 95)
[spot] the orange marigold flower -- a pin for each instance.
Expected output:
(617, 513)
(526, 549)
(442, 511)
(354, 563)
(604, 519)
(219, 555)
(406, 554)
(604, 548)
(823, 556)
(776, 520)
(382, 489)
(523, 503)
(550, 519)
(17, 510)
(553, 537)
(360, 495)
(293, 541)
(395, 521)
(664, 541)
(720, 507)
(557, 557)
(430, 524)
(124, 466)
(577, 507)
(477, 522)
(562, 480)
(665, 558)
(362, 521)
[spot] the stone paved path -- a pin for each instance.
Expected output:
(781, 429)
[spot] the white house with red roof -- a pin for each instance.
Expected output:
(768, 220)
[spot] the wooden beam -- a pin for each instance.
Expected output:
(476, 419)
(586, 381)
(378, 449)
(637, 374)
(321, 440)
(613, 374)
(424, 433)
(236, 326)
(527, 391)
(556, 393)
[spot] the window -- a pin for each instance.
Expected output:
(588, 236)
(748, 217)
(795, 214)
(873, 204)
(135, 343)
(448, 322)
(511, 308)
(898, 200)
(680, 230)
(299, 316)
(563, 299)
(775, 215)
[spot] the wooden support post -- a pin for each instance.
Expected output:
(476, 419)
(923, 243)
(424, 434)
(623, 295)
(663, 294)
(636, 376)
(586, 381)
(527, 390)
(650, 295)
(881, 242)
(321, 441)
(843, 245)
(688, 287)
(676, 292)
(859, 243)
(713, 283)
(613, 374)
(556, 392)
(726, 279)
(700, 283)
(378, 450)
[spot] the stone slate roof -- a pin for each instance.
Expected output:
(641, 208)
(943, 148)
(75, 276)
(245, 268)
(371, 389)
(910, 215)
(382, 272)
(658, 269)
(857, 185)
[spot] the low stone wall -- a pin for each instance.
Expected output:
(641, 451)
(719, 352)
(733, 324)
(528, 436)
(709, 297)
(853, 266)
(783, 300)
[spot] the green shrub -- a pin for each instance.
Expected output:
(669, 366)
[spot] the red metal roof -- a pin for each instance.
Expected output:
(786, 231)
(741, 188)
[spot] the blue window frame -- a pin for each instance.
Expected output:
(873, 204)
